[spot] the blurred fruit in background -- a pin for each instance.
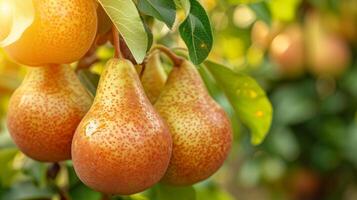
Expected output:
(262, 34)
(328, 54)
(287, 51)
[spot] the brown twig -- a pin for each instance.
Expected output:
(52, 173)
(142, 70)
(116, 42)
(177, 60)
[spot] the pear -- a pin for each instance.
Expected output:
(122, 146)
(201, 130)
(45, 111)
(154, 77)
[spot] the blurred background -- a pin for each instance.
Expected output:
(303, 53)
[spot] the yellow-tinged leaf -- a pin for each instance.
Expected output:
(16, 16)
(247, 98)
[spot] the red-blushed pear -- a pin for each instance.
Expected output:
(45, 111)
(122, 146)
(201, 130)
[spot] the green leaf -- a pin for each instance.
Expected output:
(73, 179)
(163, 10)
(165, 192)
(89, 80)
(6, 170)
(126, 18)
(27, 190)
(196, 32)
(247, 98)
(82, 192)
(36, 170)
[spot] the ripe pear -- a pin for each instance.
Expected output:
(201, 130)
(122, 146)
(45, 111)
(154, 77)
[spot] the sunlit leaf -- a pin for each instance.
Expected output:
(196, 32)
(163, 10)
(126, 18)
(16, 16)
(247, 98)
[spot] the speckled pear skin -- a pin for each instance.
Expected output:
(122, 146)
(45, 111)
(201, 130)
(154, 77)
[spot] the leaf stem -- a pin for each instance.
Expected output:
(116, 42)
(177, 60)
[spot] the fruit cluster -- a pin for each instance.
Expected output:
(130, 136)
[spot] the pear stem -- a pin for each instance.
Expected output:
(177, 60)
(116, 42)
